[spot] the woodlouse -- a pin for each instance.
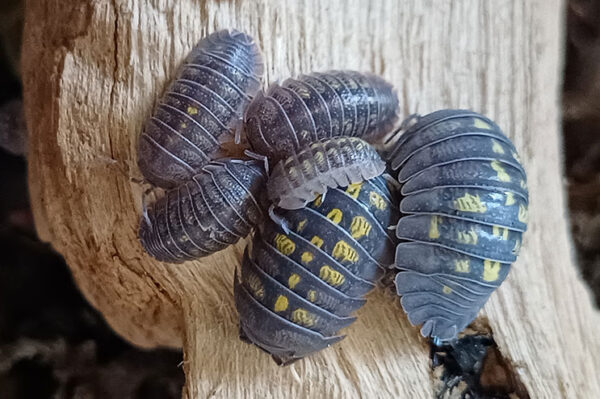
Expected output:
(465, 199)
(318, 106)
(209, 212)
(333, 162)
(200, 109)
(297, 289)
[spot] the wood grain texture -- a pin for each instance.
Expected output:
(92, 71)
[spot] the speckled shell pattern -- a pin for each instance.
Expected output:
(464, 210)
(201, 109)
(333, 162)
(296, 290)
(211, 211)
(312, 107)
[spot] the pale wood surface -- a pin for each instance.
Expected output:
(92, 70)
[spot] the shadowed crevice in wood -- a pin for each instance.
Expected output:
(473, 367)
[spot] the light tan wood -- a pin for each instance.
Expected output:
(92, 70)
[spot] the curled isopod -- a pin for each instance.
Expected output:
(464, 212)
(201, 109)
(317, 106)
(209, 212)
(333, 162)
(298, 288)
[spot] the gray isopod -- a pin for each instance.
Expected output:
(333, 162)
(211, 211)
(201, 109)
(313, 107)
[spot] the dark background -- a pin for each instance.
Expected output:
(53, 344)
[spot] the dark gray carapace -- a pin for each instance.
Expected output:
(312, 107)
(297, 290)
(333, 162)
(211, 211)
(464, 210)
(201, 109)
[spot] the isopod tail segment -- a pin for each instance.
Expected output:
(464, 210)
(297, 289)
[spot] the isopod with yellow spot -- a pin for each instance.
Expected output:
(463, 210)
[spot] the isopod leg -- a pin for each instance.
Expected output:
(239, 125)
(145, 207)
(258, 157)
(278, 220)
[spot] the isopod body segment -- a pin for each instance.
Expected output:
(297, 290)
(201, 108)
(212, 210)
(464, 210)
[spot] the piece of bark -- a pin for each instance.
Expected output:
(92, 71)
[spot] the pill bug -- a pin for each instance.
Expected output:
(317, 106)
(464, 209)
(332, 162)
(200, 109)
(211, 211)
(296, 290)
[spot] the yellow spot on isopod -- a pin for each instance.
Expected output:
(319, 157)
(303, 317)
(192, 110)
(517, 247)
(377, 201)
(523, 214)
(510, 198)
(523, 185)
(331, 276)
(307, 257)
(490, 270)
(434, 232)
(500, 171)
(281, 304)
(501, 232)
(481, 124)
(462, 266)
(293, 280)
(470, 203)
(342, 251)
(183, 125)
(284, 244)
(256, 287)
(496, 147)
(516, 156)
(311, 295)
(467, 237)
(354, 189)
(307, 167)
(301, 225)
(335, 215)
(317, 241)
(447, 290)
(360, 227)
(318, 201)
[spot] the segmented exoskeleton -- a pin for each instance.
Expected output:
(317, 106)
(298, 289)
(465, 201)
(201, 108)
(209, 212)
(333, 162)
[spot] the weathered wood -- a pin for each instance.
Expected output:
(92, 70)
